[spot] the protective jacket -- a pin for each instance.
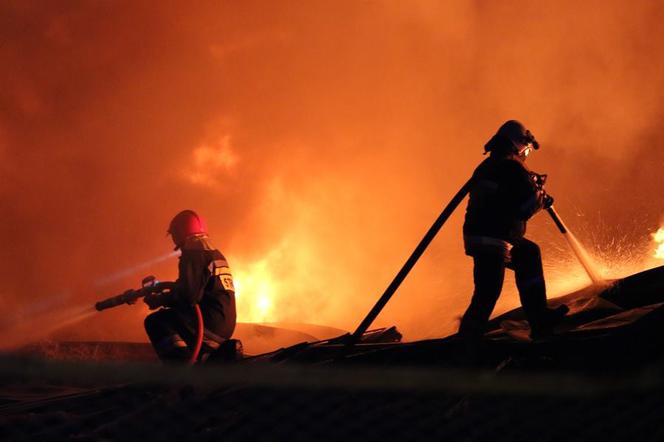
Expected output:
(503, 196)
(205, 279)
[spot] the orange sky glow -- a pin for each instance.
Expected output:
(319, 140)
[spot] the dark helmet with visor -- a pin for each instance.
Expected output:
(512, 137)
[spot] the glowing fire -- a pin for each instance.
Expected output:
(285, 284)
(659, 239)
(255, 292)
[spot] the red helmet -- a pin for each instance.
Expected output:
(184, 225)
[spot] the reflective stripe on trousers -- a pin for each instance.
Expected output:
(477, 244)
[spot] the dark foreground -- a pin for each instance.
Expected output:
(74, 401)
(600, 378)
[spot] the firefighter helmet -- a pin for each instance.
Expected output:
(185, 224)
(514, 137)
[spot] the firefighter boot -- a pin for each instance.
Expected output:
(544, 325)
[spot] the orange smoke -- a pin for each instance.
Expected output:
(212, 162)
(320, 141)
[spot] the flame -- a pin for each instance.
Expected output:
(285, 284)
(255, 291)
(659, 239)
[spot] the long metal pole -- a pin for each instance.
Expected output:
(412, 260)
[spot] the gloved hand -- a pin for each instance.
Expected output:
(155, 300)
(548, 201)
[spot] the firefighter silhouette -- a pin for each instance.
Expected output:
(205, 279)
(504, 194)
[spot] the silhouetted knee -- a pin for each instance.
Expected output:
(524, 252)
(157, 325)
(165, 338)
(151, 321)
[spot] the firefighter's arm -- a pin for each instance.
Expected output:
(193, 276)
(161, 295)
(527, 197)
(219, 269)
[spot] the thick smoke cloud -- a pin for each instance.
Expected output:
(318, 139)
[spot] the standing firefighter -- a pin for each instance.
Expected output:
(205, 280)
(504, 195)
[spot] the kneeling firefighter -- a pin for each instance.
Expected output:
(504, 194)
(205, 280)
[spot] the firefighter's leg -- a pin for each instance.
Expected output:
(211, 344)
(167, 334)
(529, 275)
(488, 274)
(527, 264)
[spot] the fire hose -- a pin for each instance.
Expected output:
(150, 285)
(199, 335)
(410, 263)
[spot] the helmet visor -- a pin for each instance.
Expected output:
(526, 149)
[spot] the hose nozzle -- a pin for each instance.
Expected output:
(128, 297)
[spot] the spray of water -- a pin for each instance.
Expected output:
(584, 258)
(38, 327)
(52, 314)
(121, 274)
(581, 254)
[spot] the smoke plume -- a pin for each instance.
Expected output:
(319, 140)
